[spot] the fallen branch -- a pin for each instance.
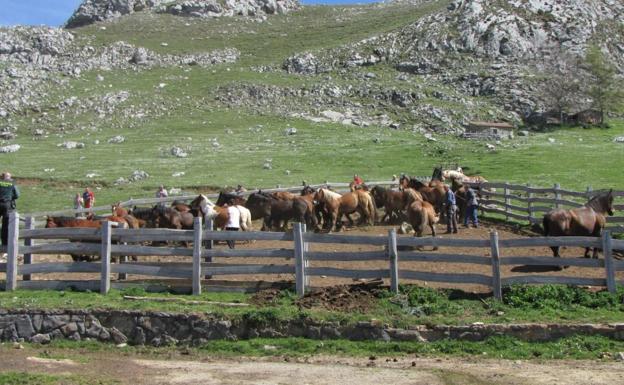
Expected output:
(184, 301)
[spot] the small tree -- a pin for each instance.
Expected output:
(604, 86)
(561, 83)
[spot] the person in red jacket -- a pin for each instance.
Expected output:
(357, 180)
(88, 198)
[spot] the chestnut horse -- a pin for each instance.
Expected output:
(133, 222)
(421, 214)
(336, 205)
(434, 193)
(587, 221)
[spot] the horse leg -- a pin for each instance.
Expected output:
(433, 232)
(555, 250)
(586, 255)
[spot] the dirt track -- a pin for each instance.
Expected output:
(471, 233)
(132, 369)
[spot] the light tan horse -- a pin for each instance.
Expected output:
(337, 205)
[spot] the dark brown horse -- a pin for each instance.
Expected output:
(588, 220)
(276, 212)
(394, 202)
(434, 193)
(230, 199)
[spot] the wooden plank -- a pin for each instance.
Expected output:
(394, 260)
(347, 256)
(75, 233)
(551, 241)
(147, 235)
(496, 274)
(557, 188)
(249, 253)
(62, 248)
(446, 258)
(105, 254)
(183, 272)
(615, 219)
(617, 244)
(299, 251)
(12, 251)
(3, 267)
(197, 255)
(247, 269)
(540, 209)
(479, 279)
(437, 241)
(137, 250)
(345, 239)
(553, 280)
(348, 273)
(608, 261)
(247, 236)
(29, 224)
(60, 267)
(61, 285)
(208, 244)
(551, 261)
(503, 212)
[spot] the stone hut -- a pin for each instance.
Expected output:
(489, 130)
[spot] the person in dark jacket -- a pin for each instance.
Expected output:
(451, 212)
(8, 195)
(472, 203)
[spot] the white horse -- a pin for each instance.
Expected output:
(211, 211)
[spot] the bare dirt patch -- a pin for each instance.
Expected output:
(345, 298)
(172, 368)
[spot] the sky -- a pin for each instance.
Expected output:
(56, 12)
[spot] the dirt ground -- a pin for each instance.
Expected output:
(131, 368)
(505, 232)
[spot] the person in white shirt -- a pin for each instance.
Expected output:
(233, 223)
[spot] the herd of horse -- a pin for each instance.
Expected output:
(321, 209)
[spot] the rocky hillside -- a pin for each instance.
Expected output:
(420, 65)
(91, 11)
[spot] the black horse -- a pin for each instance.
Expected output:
(275, 212)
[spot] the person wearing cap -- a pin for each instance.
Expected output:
(9, 193)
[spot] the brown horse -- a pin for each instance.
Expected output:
(393, 201)
(434, 193)
(588, 220)
(421, 214)
(120, 211)
(337, 205)
(284, 195)
(277, 212)
(180, 206)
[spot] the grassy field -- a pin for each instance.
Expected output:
(415, 305)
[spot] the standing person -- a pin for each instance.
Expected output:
(233, 223)
(162, 193)
(8, 194)
(240, 189)
(78, 204)
(451, 212)
(472, 203)
(357, 180)
(88, 198)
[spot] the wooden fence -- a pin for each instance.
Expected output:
(527, 203)
(108, 242)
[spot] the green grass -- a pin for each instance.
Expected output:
(270, 42)
(24, 378)
(415, 305)
(500, 347)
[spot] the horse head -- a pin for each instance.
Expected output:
(602, 203)
(307, 190)
(609, 201)
(50, 222)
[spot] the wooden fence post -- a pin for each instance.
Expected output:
(29, 224)
(607, 251)
(557, 187)
(105, 256)
(299, 249)
(530, 204)
(208, 243)
(197, 253)
(496, 274)
(507, 201)
(122, 258)
(306, 249)
(12, 251)
(393, 256)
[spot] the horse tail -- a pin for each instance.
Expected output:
(545, 223)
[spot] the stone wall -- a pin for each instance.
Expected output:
(161, 329)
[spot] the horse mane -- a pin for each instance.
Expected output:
(330, 195)
(600, 202)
